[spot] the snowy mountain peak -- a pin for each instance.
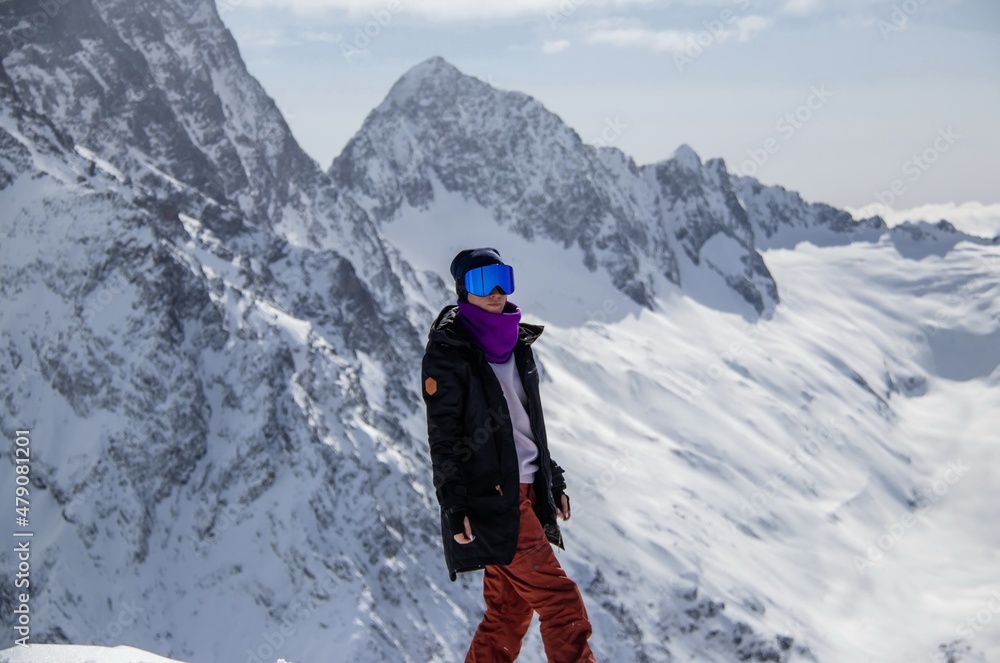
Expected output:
(431, 70)
(435, 85)
(442, 133)
(206, 122)
(686, 157)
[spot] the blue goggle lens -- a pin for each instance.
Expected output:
(482, 280)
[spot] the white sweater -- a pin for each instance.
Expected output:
(524, 439)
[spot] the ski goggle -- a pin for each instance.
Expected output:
(482, 280)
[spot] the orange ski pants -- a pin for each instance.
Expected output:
(533, 582)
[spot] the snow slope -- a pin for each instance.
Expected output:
(819, 472)
(79, 654)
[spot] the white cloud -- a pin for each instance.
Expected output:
(974, 218)
(664, 40)
(282, 38)
(748, 26)
(800, 7)
(269, 39)
(679, 42)
(443, 10)
(558, 46)
(323, 37)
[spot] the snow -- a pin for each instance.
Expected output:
(768, 464)
(297, 330)
(769, 460)
(91, 45)
(827, 472)
(687, 157)
(177, 184)
(44, 163)
(561, 289)
(41, 653)
(975, 218)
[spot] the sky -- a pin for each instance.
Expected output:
(856, 103)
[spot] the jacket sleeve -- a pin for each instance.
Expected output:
(558, 478)
(444, 392)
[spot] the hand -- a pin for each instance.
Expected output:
(563, 510)
(467, 536)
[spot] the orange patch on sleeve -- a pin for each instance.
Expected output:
(430, 386)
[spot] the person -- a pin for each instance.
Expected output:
(499, 490)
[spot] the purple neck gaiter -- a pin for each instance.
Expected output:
(494, 333)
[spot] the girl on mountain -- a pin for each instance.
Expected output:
(499, 490)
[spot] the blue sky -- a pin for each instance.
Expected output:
(850, 102)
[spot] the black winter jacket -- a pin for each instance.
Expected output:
(472, 448)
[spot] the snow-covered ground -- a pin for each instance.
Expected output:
(79, 654)
(834, 466)
(827, 474)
